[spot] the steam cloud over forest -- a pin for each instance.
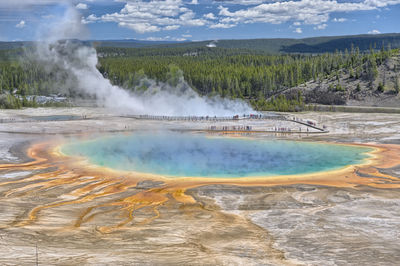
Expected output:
(75, 64)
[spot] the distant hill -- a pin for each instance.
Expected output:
(96, 43)
(331, 44)
(308, 45)
(273, 46)
(14, 45)
(130, 43)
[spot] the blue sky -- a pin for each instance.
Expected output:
(179, 20)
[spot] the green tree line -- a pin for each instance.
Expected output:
(234, 73)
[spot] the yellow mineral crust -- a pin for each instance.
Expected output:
(88, 183)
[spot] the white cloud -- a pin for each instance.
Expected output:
(244, 2)
(172, 27)
(209, 16)
(158, 15)
(374, 32)
(298, 30)
(146, 16)
(141, 28)
(321, 27)
(222, 26)
(311, 12)
(21, 24)
(340, 20)
(143, 16)
(81, 6)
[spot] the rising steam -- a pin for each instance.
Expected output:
(77, 63)
(212, 44)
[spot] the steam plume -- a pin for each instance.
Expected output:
(78, 63)
(212, 44)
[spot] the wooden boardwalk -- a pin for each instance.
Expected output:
(235, 129)
(229, 124)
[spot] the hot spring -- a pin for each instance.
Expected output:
(192, 155)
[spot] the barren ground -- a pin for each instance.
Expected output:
(226, 225)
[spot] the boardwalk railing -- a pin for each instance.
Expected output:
(279, 117)
(206, 118)
(276, 117)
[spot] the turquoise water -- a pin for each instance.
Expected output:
(178, 155)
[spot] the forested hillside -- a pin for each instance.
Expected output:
(380, 88)
(235, 73)
(241, 73)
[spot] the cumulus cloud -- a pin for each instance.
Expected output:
(82, 6)
(242, 2)
(209, 16)
(21, 24)
(298, 30)
(321, 27)
(147, 16)
(222, 26)
(310, 12)
(339, 20)
(143, 16)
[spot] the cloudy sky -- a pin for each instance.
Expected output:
(178, 20)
